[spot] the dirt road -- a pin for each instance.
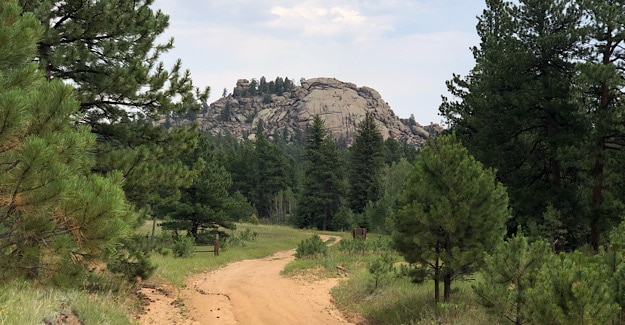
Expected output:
(245, 292)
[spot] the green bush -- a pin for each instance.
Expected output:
(184, 246)
(343, 219)
(132, 260)
(381, 267)
(311, 247)
(352, 246)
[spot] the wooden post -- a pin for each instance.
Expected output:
(216, 245)
(359, 232)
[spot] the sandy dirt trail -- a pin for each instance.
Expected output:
(245, 292)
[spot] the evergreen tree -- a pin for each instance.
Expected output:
(602, 81)
(392, 151)
(107, 49)
(366, 159)
(55, 217)
(382, 213)
(253, 90)
(263, 88)
(452, 212)
(614, 259)
(509, 273)
(271, 174)
(207, 203)
(572, 289)
(323, 181)
(517, 110)
(279, 86)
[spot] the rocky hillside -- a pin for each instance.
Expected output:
(340, 104)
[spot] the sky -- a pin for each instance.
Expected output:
(405, 49)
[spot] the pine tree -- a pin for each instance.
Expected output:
(206, 205)
(263, 88)
(602, 81)
(517, 110)
(366, 159)
(509, 273)
(271, 174)
(452, 212)
(322, 189)
(572, 289)
(55, 217)
(107, 49)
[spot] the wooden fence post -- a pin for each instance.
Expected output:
(216, 245)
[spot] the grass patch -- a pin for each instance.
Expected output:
(270, 239)
(394, 299)
(23, 303)
(399, 301)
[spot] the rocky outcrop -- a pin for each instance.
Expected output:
(341, 105)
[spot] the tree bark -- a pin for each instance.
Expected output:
(436, 282)
(446, 286)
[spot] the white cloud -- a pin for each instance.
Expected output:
(329, 22)
(405, 49)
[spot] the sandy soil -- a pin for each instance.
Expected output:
(245, 292)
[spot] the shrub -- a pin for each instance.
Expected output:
(352, 246)
(184, 246)
(381, 267)
(311, 247)
(132, 260)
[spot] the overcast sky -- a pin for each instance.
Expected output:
(405, 49)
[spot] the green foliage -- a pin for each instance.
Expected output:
(366, 159)
(206, 203)
(269, 174)
(614, 259)
(381, 214)
(322, 192)
(543, 105)
(358, 245)
(509, 272)
(353, 246)
(107, 49)
(452, 213)
(183, 246)
(344, 219)
(381, 268)
(311, 247)
(132, 259)
(237, 239)
(55, 218)
(572, 289)
(25, 303)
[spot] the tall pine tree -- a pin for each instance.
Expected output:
(602, 82)
(366, 159)
(206, 205)
(517, 111)
(55, 217)
(322, 191)
(107, 49)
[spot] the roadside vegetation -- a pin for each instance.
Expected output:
(376, 284)
(515, 215)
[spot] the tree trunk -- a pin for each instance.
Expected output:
(598, 173)
(436, 282)
(194, 229)
(519, 302)
(598, 168)
(446, 286)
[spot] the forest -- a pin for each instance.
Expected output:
(525, 187)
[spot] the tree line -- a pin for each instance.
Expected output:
(534, 154)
